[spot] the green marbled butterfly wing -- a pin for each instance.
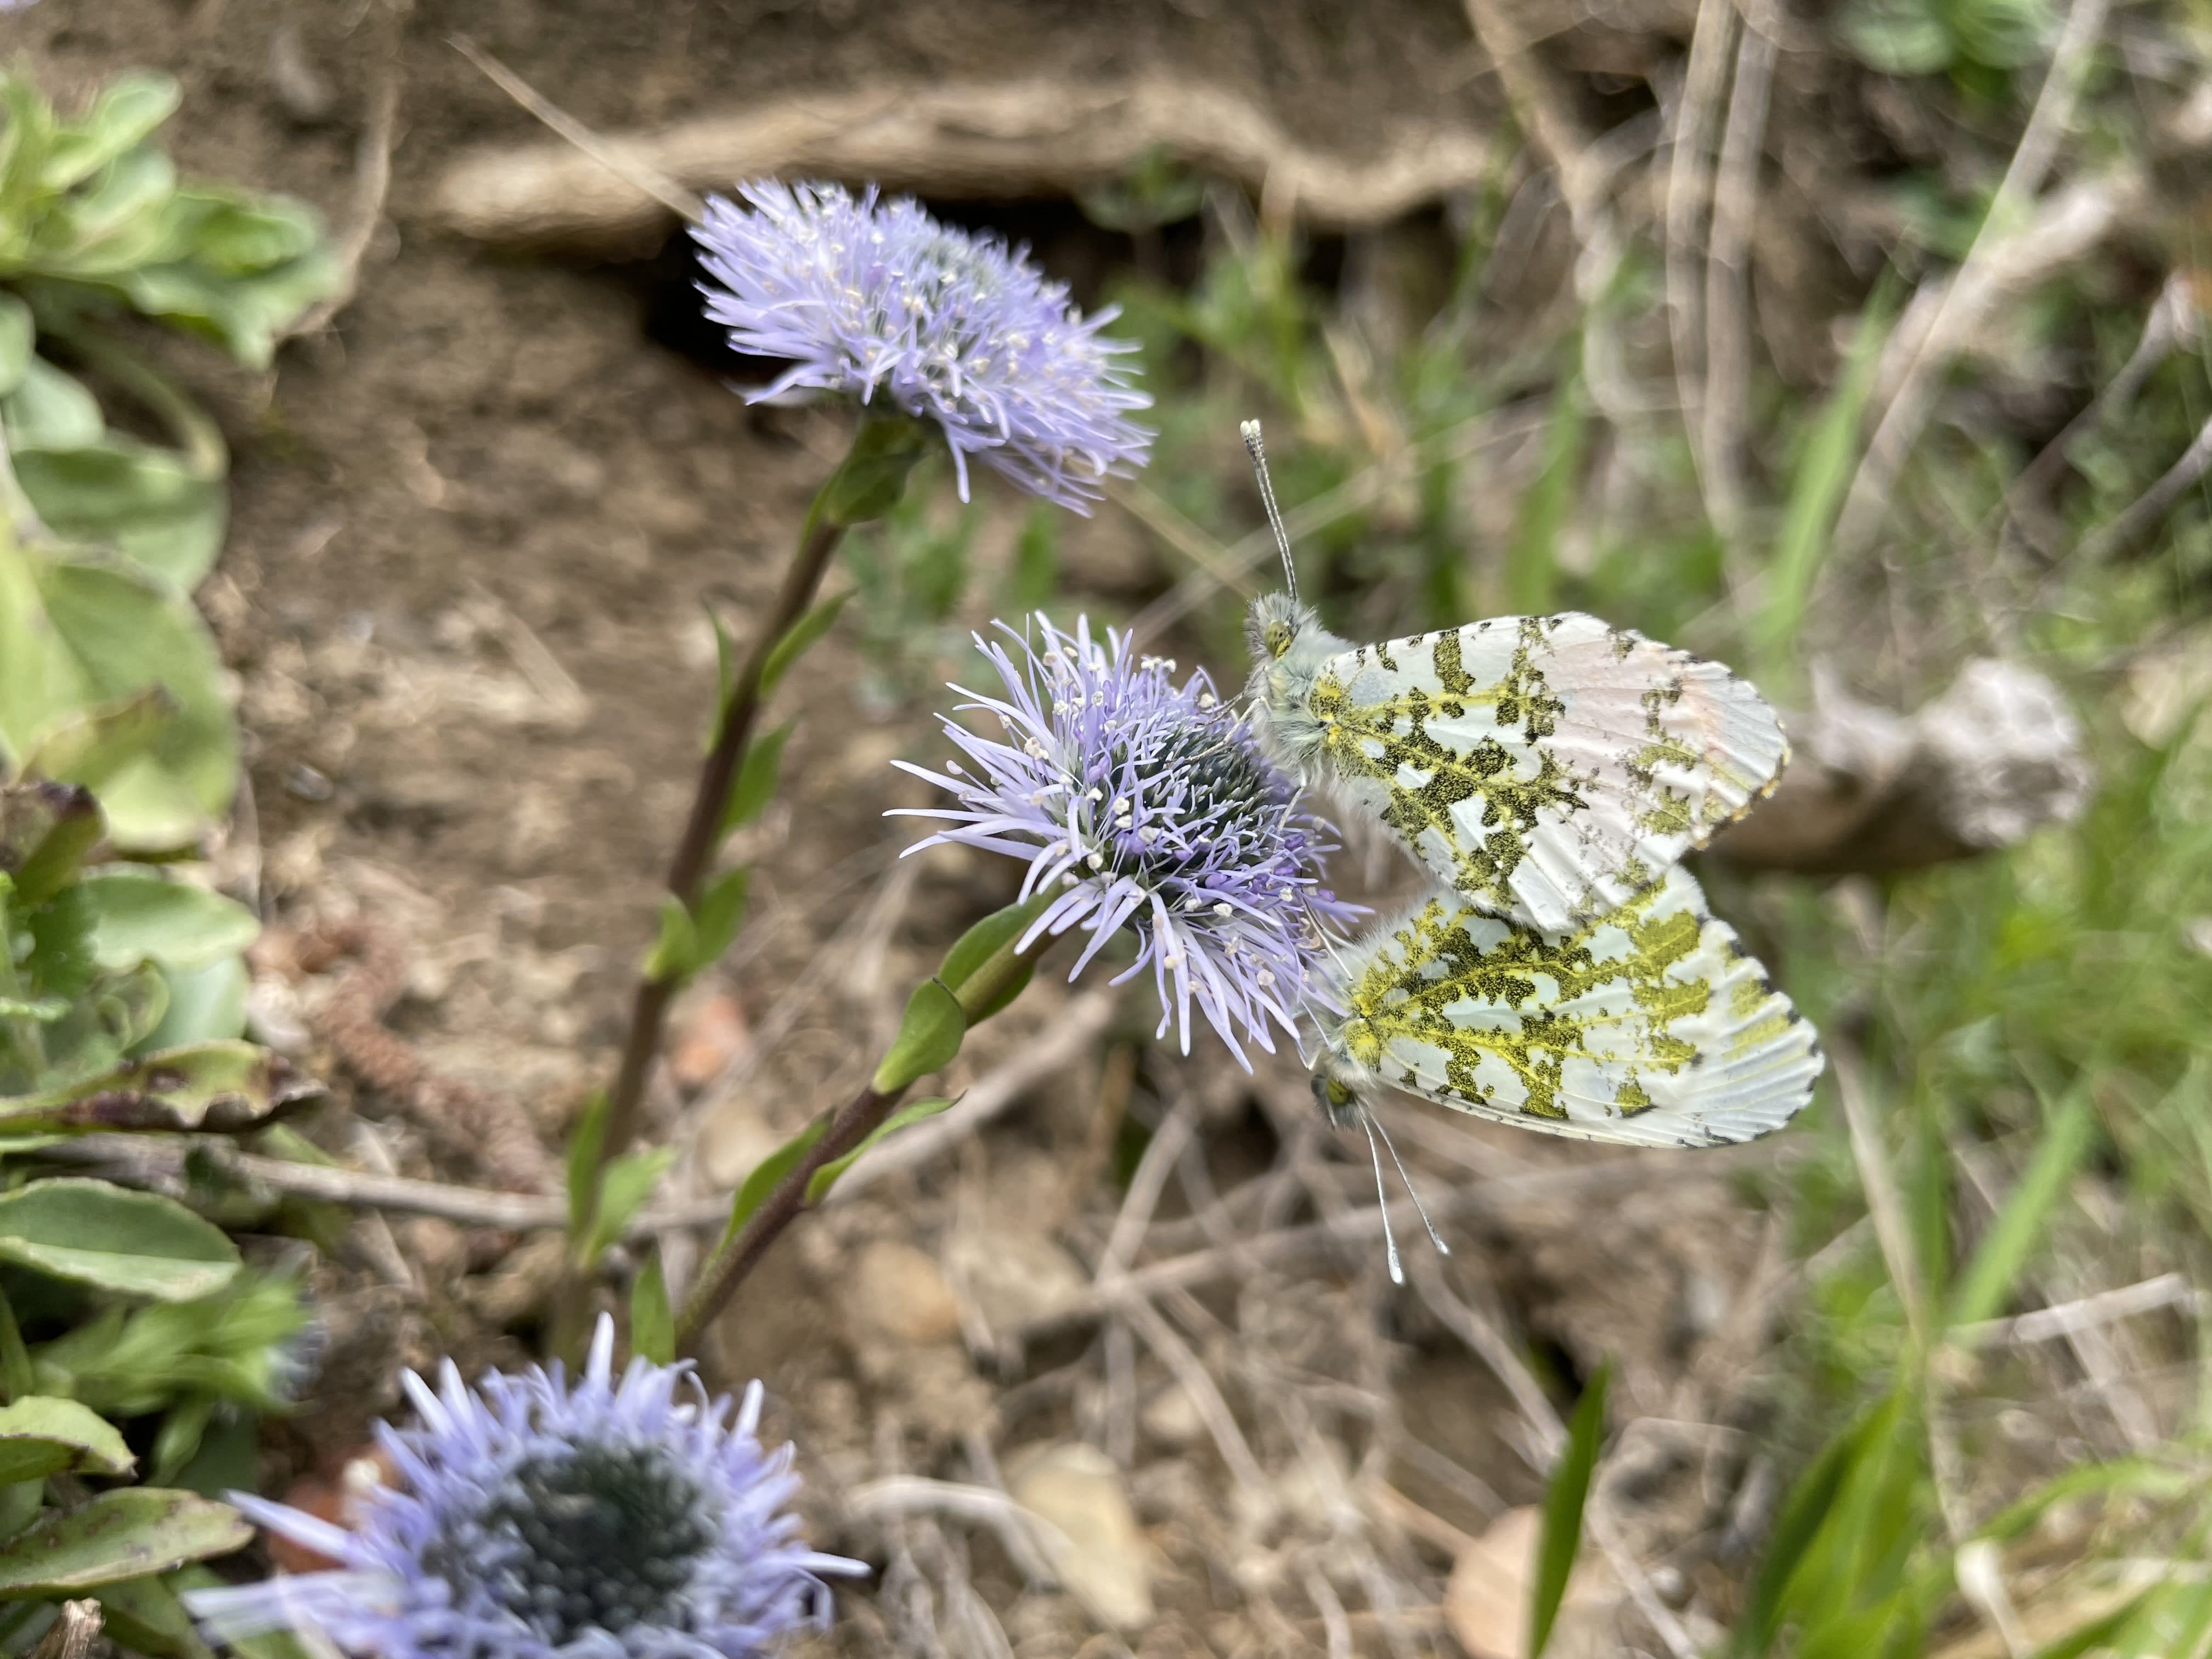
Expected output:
(1546, 766)
(1649, 1026)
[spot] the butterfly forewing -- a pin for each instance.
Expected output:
(1548, 765)
(1649, 1026)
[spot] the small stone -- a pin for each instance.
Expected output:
(898, 1293)
(1099, 1552)
(1172, 1417)
(709, 1039)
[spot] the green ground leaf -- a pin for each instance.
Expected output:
(1565, 1495)
(51, 411)
(133, 1243)
(139, 915)
(144, 1615)
(40, 1435)
(929, 1036)
(125, 113)
(77, 636)
(17, 332)
(117, 1535)
(155, 506)
(221, 1087)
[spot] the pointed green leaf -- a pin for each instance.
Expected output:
(764, 1176)
(629, 1182)
(819, 1183)
(929, 1036)
(757, 778)
(1565, 1496)
(585, 1141)
(715, 923)
(987, 937)
(117, 1535)
(134, 1244)
(676, 947)
(41, 1436)
(651, 1325)
(795, 643)
(126, 112)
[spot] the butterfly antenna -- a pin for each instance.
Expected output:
(1258, 451)
(1421, 1209)
(1383, 1199)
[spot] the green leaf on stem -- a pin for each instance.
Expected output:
(757, 778)
(652, 1324)
(624, 1186)
(819, 1183)
(753, 1191)
(89, 1232)
(929, 1036)
(987, 946)
(797, 640)
(715, 923)
(41, 1436)
(585, 1141)
(118, 1534)
(675, 945)
(872, 476)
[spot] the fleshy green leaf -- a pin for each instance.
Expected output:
(651, 1325)
(218, 1087)
(145, 1616)
(134, 1244)
(75, 637)
(761, 1180)
(45, 831)
(1565, 1496)
(41, 1436)
(117, 1535)
(206, 1003)
(929, 1036)
(17, 334)
(91, 746)
(51, 411)
(757, 778)
(819, 1183)
(155, 506)
(125, 113)
(138, 916)
(795, 643)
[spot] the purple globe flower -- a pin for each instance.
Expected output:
(1147, 804)
(865, 296)
(613, 1519)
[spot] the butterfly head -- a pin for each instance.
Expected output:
(1274, 625)
(1342, 1102)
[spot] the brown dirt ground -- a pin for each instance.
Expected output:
(472, 526)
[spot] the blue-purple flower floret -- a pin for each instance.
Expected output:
(1143, 804)
(868, 296)
(614, 1518)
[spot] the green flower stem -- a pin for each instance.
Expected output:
(865, 485)
(980, 995)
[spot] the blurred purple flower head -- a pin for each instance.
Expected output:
(866, 296)
(617, 1518)
(1146, 803)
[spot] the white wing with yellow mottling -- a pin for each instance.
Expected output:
(1545, 766)
(1649, 1026)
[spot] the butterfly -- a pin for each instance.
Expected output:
(1545, 767)
(1563, 973)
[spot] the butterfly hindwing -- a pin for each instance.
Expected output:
(1649, 1026)
(1547, 766)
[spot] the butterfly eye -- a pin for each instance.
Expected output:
(1276, 638)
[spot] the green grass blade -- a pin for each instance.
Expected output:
(1532, 565)
(1816, 491)
(1564, 1497)
(2018, 1228)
